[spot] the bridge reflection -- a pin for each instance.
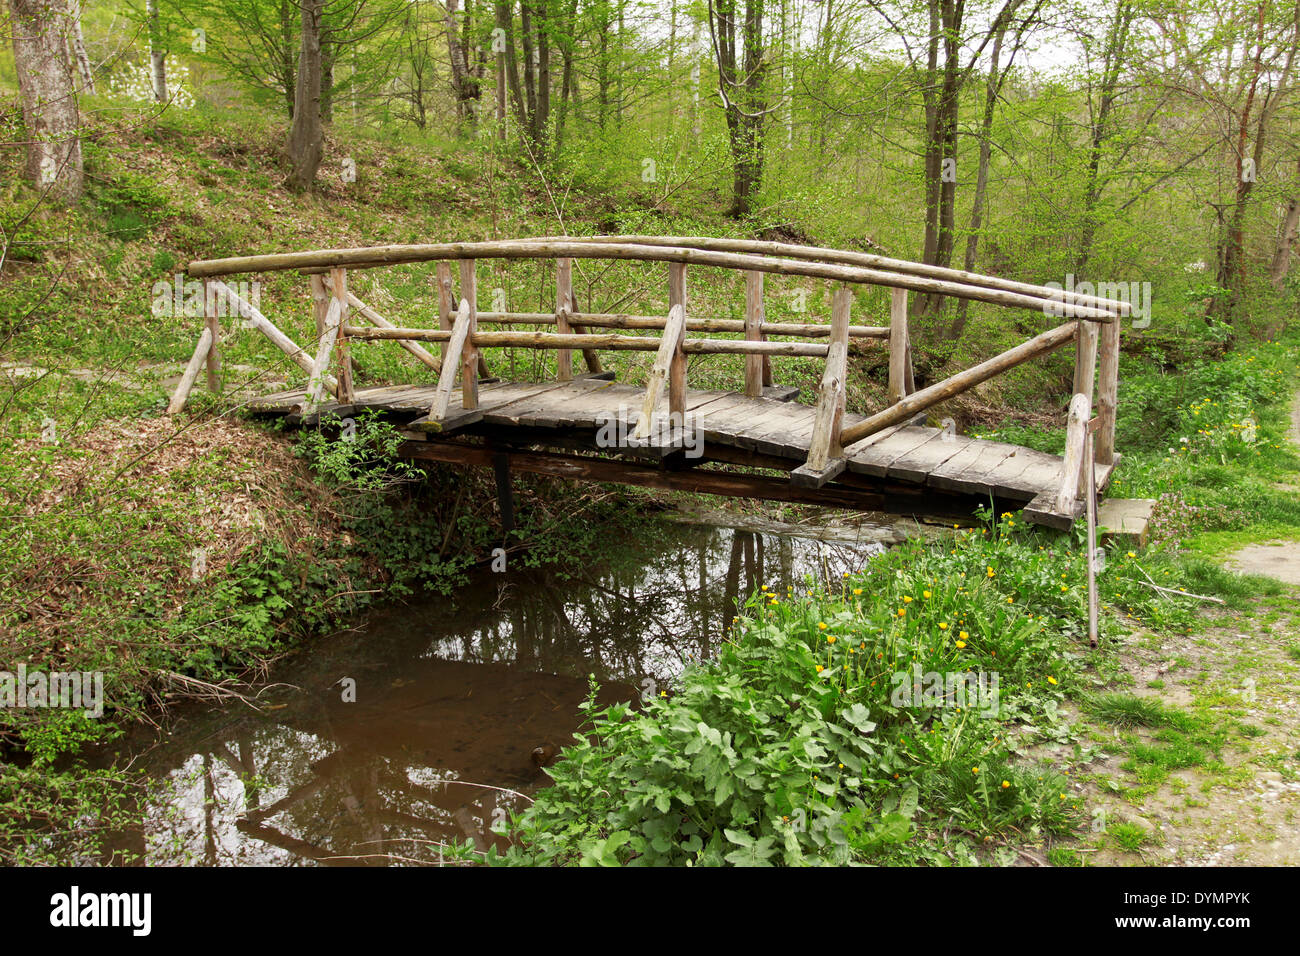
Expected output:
(451, 703)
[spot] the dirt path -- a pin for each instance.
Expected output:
(1234, 796)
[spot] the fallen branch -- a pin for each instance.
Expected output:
(1199, 597)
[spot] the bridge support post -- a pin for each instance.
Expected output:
(505, 490)
(754, 364)
(1085, 360)
(213, 325)
(320, 303)
(1107, 394)
(825, 454)
(899, 346)
(443, 282)
(563, 305)
(469, 355)
(677, 367)
(339, 288)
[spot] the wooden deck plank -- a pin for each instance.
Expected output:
(769, 426)
(967, 470)
(921, 461)
(875, 461)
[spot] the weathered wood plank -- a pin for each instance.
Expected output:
(754, 332)
(875, 461)
(824, 441)
(898, 344)
(182, 393)
(452, 361)
(919, 463)
(660, 371)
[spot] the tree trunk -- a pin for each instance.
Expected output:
(1281, 264)
(49, 97)
(328, 52)
(464, 84)
(77, 47)
(157, 55)
(1231, 248)
(742, 97)
(306, 138)
(981, 178)
(1112, 62)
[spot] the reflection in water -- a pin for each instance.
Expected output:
(452, 704)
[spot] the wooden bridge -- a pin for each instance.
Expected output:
(756, 442)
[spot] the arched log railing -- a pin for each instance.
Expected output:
(1087, 319)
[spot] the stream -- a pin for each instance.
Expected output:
(456, 704)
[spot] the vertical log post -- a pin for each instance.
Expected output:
(825, 442)
(1072, 468)
(443, 282)
(213, 325)
(1085, 360)
(754, 332)
(563, 302)
(677, 368)
(1090, 467)
(182, 393)
(899, 350)
(469, 359)
(320, 303)
(316, 378)
(339, 288)
(1107, 394)
(590, 356)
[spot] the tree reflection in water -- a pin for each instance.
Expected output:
(451, 702)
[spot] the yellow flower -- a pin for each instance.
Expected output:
(820, 668)
(857, 590)
(974, 769)
(1132, 555)
(963, 635)
(990, 572)
(925, 594)
(830, 638)
(1005, 784)
(1051, 680)
(1064, 589)
(943, 625)
(961, 643)
(764, 587)
(821, 625)
(906, 599)
(902, 611)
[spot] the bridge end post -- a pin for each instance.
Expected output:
(825, 452)
(677, 367)
(899, 346)
(1108, 393)
(469, 358)
(339, 288)
(213, 325)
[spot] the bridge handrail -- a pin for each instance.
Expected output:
(1088, 319)
(1049, 302)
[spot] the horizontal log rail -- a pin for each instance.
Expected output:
(551, 340)
(379, 256)
(927, 398)
(848, 257)
(612, 320)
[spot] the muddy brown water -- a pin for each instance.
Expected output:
(455, 704)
